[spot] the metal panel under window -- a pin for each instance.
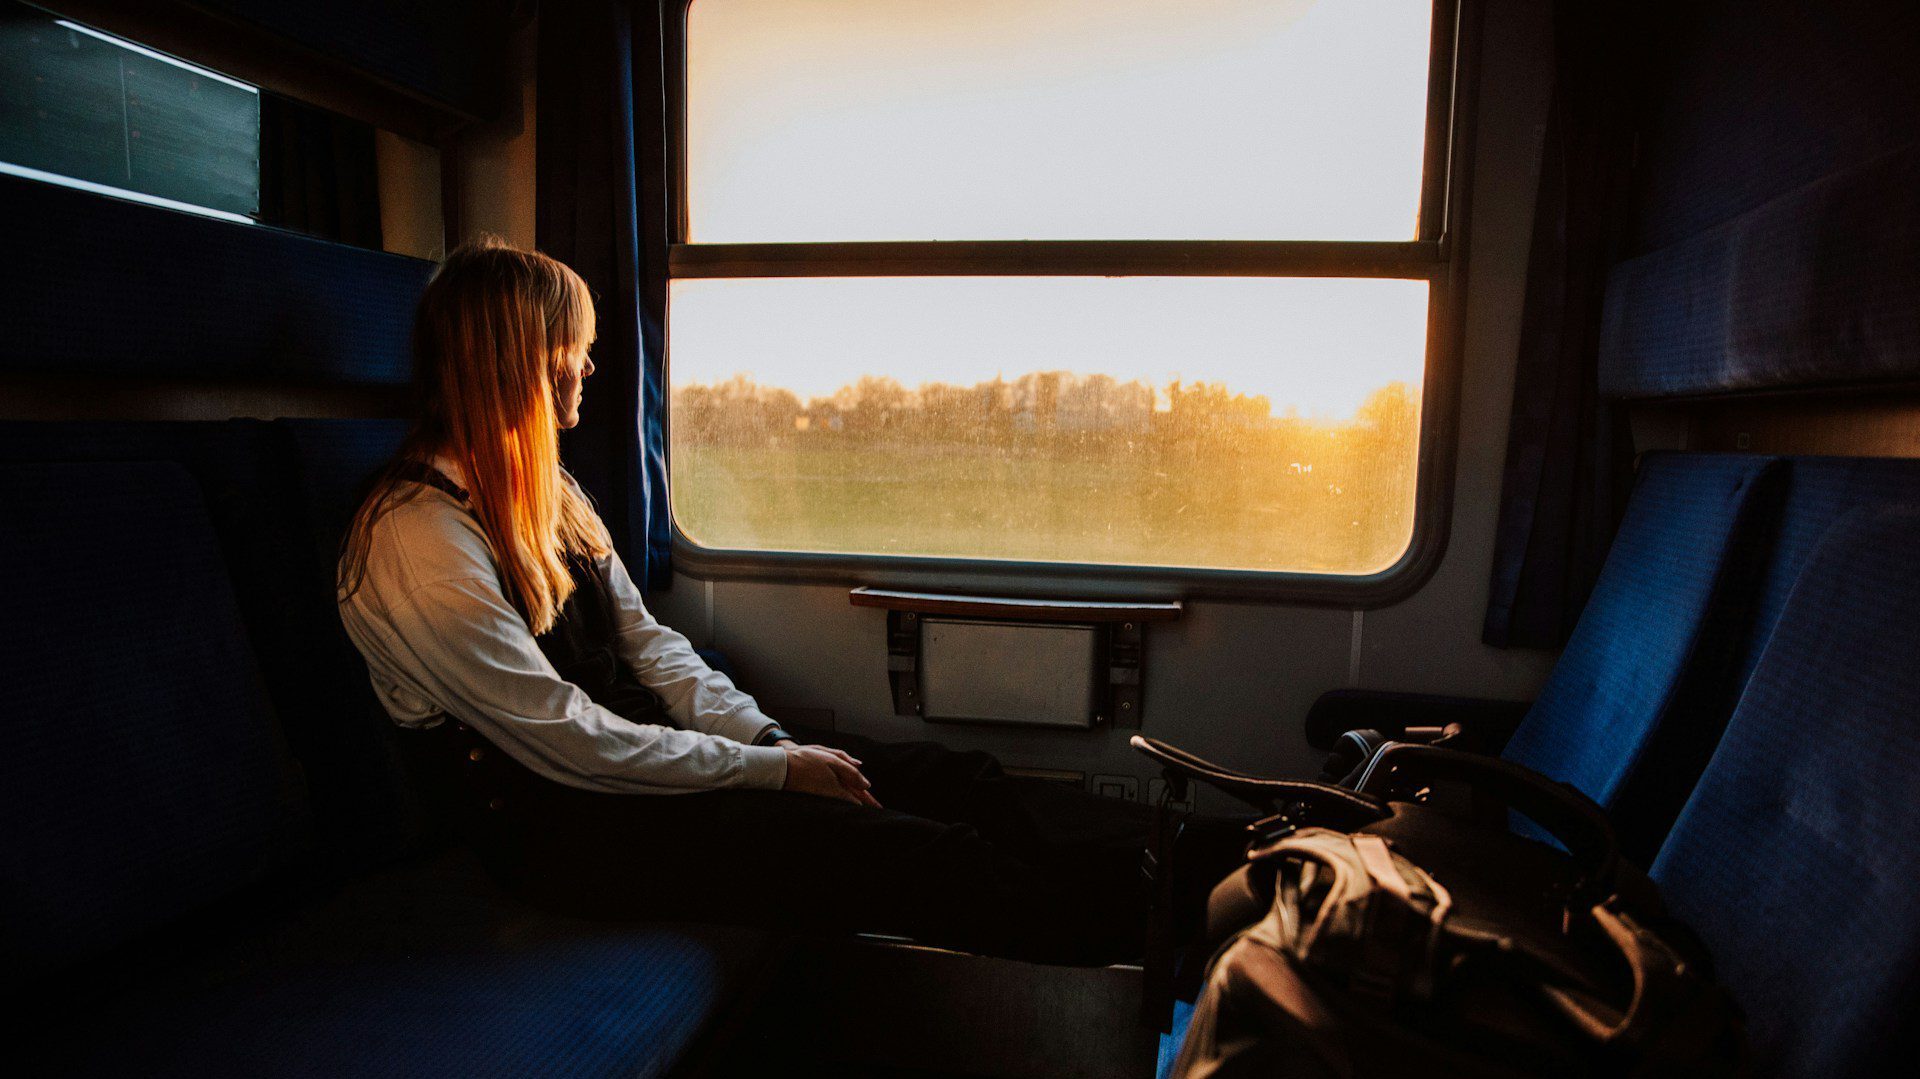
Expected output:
(1008, 672)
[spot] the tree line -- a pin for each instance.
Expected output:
(1049, 465)
(1045, 404)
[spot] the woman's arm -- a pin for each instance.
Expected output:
(478, 661)
(697, 696)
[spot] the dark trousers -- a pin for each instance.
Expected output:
(962, 855)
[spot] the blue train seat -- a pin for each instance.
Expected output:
(1642, 658)
(173, 901)
(1794, 858)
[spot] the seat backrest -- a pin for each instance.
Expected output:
(145, 776)
(280, 495)
(1818, 491)
(240, 476)
(245, 471)
(376, 807)
(1642, 654)
(333, 461)
(1795, 858)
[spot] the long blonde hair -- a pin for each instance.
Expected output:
(491, 334)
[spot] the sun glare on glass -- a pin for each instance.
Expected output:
(848, 120)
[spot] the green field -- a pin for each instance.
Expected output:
(1108, 503)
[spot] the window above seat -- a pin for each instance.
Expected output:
(1152, 291)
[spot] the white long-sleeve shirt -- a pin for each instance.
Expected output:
(441, 639)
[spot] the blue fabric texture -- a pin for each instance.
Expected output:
(374, 809)
(100, 287)
(334, 463)
(1819, 491)
(1795, 858)
(600, 209)
(150, 803)
(281, 495)
(1777, 208)
(577, 1001)
(1609, 699)
(239, 474)
(1814, 289)
(1750, 100)
(144, 775)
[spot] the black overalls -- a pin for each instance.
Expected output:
(962, 856)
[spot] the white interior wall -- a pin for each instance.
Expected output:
(410, 217)
(1230, 681)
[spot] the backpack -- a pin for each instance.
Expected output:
(1409, 940)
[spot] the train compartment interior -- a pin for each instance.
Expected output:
(1022, 375)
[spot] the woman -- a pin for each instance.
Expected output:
(601, 764)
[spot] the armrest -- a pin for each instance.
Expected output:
(1403, 716)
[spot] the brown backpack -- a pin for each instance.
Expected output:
(1434, 943)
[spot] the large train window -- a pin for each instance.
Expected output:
(1140, 285)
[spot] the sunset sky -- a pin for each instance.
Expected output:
(836, 120)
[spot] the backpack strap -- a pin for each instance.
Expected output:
(1353, 909)
(428, 476)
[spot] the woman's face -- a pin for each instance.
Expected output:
(574, 368)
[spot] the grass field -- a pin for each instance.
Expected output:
(1215, 507)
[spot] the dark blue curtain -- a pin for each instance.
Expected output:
(1563, 487)
(318, 173)
(601, 208)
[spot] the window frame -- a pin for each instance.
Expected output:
(1437, 255)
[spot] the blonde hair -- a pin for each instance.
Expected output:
(492, 332)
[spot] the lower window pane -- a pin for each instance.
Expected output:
(1230, 423)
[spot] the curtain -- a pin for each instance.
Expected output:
(1568, 449)
(600, 207)
(318, 173)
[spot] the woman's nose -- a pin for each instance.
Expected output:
(588, 369)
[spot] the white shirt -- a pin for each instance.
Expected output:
(441, 639)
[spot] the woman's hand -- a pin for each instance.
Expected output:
(826, 772)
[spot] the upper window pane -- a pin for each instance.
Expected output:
(871, 120)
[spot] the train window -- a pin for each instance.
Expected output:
(91, 110)
(1026, 418)
(1125, 283)
(87, 109)
(1055, 119)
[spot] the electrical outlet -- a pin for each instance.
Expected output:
(1125, 788)
(1157, 786)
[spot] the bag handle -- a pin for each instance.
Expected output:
(1566, 814)
(1266, 795)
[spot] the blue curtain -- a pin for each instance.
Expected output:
(318, 173)
(601, 208)
(1565, 476)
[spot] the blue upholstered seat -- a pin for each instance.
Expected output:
(376, 811)
(549, 998)
(144, 775)
(1819, 491)
(1637, 659)
(1795, 858)
(161, 901)
(332, 463)
(280, 496)
(1692, 590)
